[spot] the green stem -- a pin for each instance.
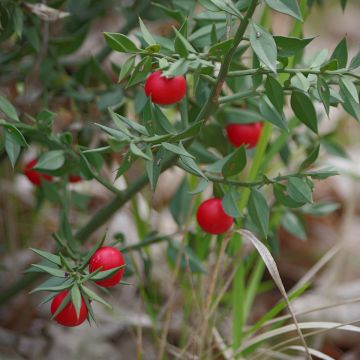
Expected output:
(212, 102)
(247, 72)
(239, 278)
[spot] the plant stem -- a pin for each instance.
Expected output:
(212, 102)
(238, 289)
(247, 72)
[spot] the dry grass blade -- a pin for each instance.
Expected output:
(274, 272)
(303, 326)
(314, 352)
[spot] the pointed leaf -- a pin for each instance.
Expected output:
(51, 160)
(259, 211)
(289, 7)
(8, 109)
(235, 163)
(304, 110)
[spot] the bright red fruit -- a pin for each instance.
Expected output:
(106, 258)
(33, 175)
(67, 316)
(165, 91)
(74, 178)
(244, 134)
(212, 218)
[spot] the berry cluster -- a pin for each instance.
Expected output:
(164, 91)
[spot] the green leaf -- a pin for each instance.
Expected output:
(350, 97)
(235, 163)
(289, 7)
(153, 168)
(51, 160)
(189, 132)
(355, 61)
(12, 149)
(275, 93)
(227, 6)
(221, 48)
(320, 209)
(50, 270)
(8, 109)
(301, 82)
(102, 275)
(163, 122)
(263, 45)
(127, 68)
(138, 152)
(63, 304)
(56, 289)
(200, 187)
(134, 125)
(48, 256)
(188, 164)
(180, 203)
(141, 71)
(272, 115)
(177, 149)
(293, 225)
(148, 118)
(230, 203)
(175, 14)
(311, 158)
(179, 67)
(259, 211)
(76, 299)
(322, 174)
(299, 190)
(324, 93)
(15, 134)
(126, 163)
(146, 34)
(290, 46)
(120, 43)
(341, 54)
(182, 45)
(94, 296)
(304, 110)
(120, 123)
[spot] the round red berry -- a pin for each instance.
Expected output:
(212, 218)
(106, 258)
(165, 91)
(244, 134)
(34, 176)
(67, 316)
(74, 178)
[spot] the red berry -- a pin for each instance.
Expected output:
(106, 258)
(74, 178)
(34, 176)
(67, 316)
(212, 218)
(165, 91)
(244, 134)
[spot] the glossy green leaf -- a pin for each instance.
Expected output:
(93, 296)
(235, 163)
(177, 149)
(294, 225)
(127, 68)
(8, 109)
(355, 61)
(12, 149)
(48, 256)
(311, 158)
(51, 160)
(259, 211)
(289, 7)
(141, 71)
(14, 133)
(275, 93)
(272, 115)
(341, 53)
(299, 190)
(221, 48)
(324, 93)
(50, 270)
(290, 46)
(146, 34)
(102, 275)
(190, 165)
(230, 203)
(76, 299)
(138, 152)
(263, 45)
(65, 301)
(120, 43)
(304, 110)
